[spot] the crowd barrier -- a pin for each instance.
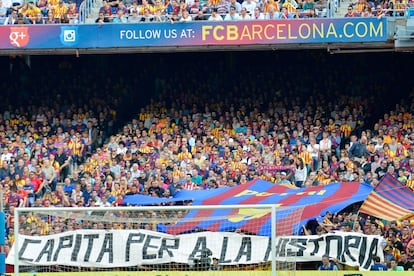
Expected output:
(86, 8)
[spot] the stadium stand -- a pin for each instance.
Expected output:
(203, 129)
(74, 12)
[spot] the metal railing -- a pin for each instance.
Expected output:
(85, 9)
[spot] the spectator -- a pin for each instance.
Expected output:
(249, 5)
(404, 262)
(215, 16)
(145, 7)
(236, 4)
(186, 17)
(147, 16)
(32, 10)
(351, 12)
(271, 14)
(244, 15)
(106, 11)
(378, 266)
(268, 4)
(257, 15)
(38, 19)
(358, 149)
(284, 14)
(300, 173)
(12, 18)
(308, 5)
(50, 18)
(395, 267)
(200, 16)
(119, 18)
(326, 264)
(159, 7)
(290, 6)
(133, 16)
(367, 12)
(196, 7)
(59, 11)
(73, 13)
(232, 15)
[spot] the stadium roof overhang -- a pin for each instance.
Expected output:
(333, 48)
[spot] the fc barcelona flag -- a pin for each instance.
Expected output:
(302, 205)
(390, 200)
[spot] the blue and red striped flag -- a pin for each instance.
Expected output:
(390, 200)
(302, 205)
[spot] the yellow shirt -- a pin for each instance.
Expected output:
(181, 155)
(148, 6)
(53, 2)
(159, 8)
(33, 12)
(59, 10)
(289, 7)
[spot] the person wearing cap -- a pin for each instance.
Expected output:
(389, 253)
(346, 226)
(283, 179)
(133, 16)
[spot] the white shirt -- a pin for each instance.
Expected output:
(325, 144)
(259, 17)
(6, 157)
(7, 3)
(247, 17)
(216, 18)
(230, 17)
(314, 150)
(249, 6)
(188, 19)
(300, 174)
(121, 150)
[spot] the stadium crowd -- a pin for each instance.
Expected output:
(38, 12)
(210, 131)
(127, 11)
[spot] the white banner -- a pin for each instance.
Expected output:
(121, 248)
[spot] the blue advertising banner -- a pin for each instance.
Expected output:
(295, 31)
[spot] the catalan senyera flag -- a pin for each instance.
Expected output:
(390, 200)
